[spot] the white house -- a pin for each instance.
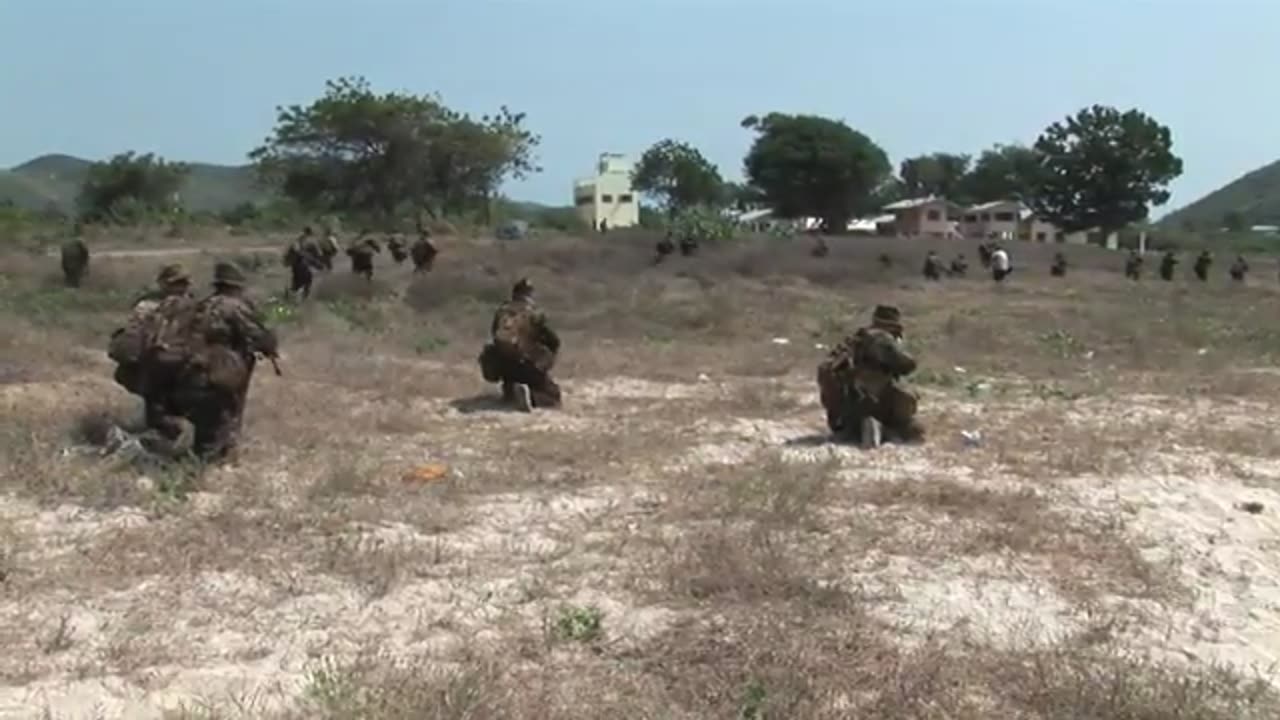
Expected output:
(609, 195)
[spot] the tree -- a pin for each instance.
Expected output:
(938, 174)
(1003, 172)
(354, 150)
(678, 176)
(1103, 168)
(810, 166)
(1233, 221)
(127, 187)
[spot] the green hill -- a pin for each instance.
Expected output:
(1255, 196)
(54, 180)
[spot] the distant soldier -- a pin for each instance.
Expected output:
(959, 266)
(886, 262)
(688, 245)
(1059, 266)
(222, 342)
(75, 262)
(1238, 269)
(301, 257)
(522, 352)
(1133, 265)
(932, 266)
(663, 248)
(423, 251)
(329, 249)
(132, 349)
(361, 253)
(1168, 265)
(1001, 266)
(984, 255)
(1204, 261)
(399, 250)
(858, 381)
(604, 226)
(820, 249)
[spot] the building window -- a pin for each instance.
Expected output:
(606, 198)
(933, 215)
(986, 217)
(1060, 237)
(585, 200)
(1041, 237)
(625, 198)
(1004, 217)
(971, 218)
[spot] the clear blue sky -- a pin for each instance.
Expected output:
(199, 80)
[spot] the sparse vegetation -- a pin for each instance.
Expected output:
(678, 541)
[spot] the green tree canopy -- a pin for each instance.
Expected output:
(1103, 168)
(128, 187)
(354, 150)
(1003, 172)
(939, 174)
(811, 166)
(678, 177)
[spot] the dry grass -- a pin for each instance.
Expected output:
(679, 541)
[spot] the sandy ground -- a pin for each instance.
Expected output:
(123, 612)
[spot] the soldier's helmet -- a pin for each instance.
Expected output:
(523, 288)
(227, 275)
(173, 276)
(887, 317)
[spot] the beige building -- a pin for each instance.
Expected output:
(609, 195)
(1013, 219)
(928, 216)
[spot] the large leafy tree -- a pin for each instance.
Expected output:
(356, 150)
(813, 166)
(1003, 172)
(939, 174)
(1104, 168)
(128, 187)
(678, 177)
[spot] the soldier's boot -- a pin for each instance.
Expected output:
(523, 397)
(910, 432)
(545, 394)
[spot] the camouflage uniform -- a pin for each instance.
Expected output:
(301, 257)
(1059, 267)
(213, 387)
(664, 248)
(820, 249)
(858, 380)
(959, 266)
(328, 250)
(131, 348)
(1133, 266)
(75, 261)
(688, 246)
(1203, 262)
(1239, 268)
(399, 250)
(886, 262)
(423, 252)
(522, 352)
(361, 254)
(984, 254)
(1168, 264)
(932, 267)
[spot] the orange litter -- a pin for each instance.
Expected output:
(426, 473)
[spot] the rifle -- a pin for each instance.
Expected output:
(274, 364)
